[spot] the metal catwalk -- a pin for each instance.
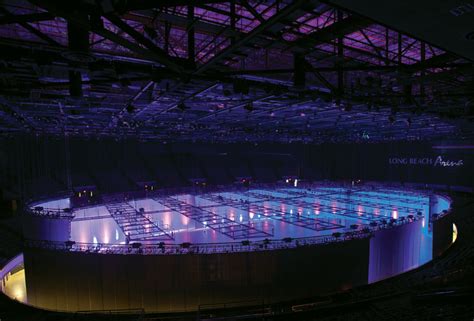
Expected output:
(232, 215)
(135, 225)
(221, 224)
(300, 220)
(325, 209)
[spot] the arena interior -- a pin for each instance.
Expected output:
(300, 160)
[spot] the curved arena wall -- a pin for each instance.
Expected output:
(394, 251)
(74, 281)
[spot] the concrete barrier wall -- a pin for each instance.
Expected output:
(80, 281)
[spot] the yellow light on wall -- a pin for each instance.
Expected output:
(455, 233)
(15, 286)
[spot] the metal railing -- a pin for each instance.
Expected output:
(201, 248)
(355, 233)
(51, 212)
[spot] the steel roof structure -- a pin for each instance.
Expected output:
(224, 71)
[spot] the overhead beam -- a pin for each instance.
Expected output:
(150, 4)
(147, 17)
(277, 109)
(228, 109)
(435, 61)
(285, 13)
(159, 53)
(232, 33)
(150, 51)
(195, 94)
(325, 82)
(365, 53)
(252, 10)
(12, 111)
(337, 29)
(114, 120)
(10, 50)
(391, 68)
(223, 12)
(31, 29)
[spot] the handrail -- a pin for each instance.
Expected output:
(51, 213)
(201, 248)
(163, 248)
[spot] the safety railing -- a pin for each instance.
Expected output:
(163, 248)
(354, 232)
(52, 213)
